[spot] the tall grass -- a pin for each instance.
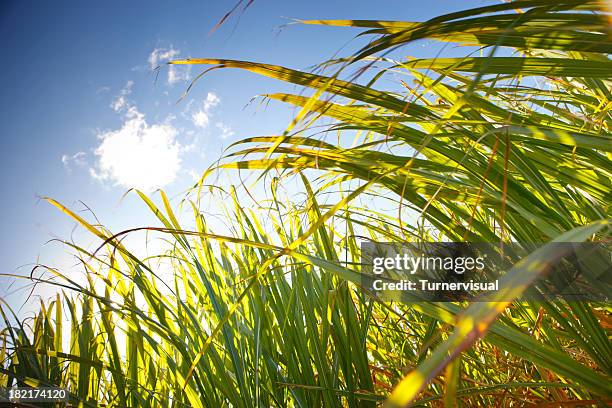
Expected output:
(511, 145)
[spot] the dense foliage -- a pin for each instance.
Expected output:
(511, 145)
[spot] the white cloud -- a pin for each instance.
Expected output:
(201, 117)
(121, 102)
(226, 131)
(77, 159)
(178, 74)
(195, 176)
(175, 73)
(159, 55)
(138, 154)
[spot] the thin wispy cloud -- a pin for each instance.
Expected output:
(102, 90)
(174, 73)
(74, 160)
(225, 131)
(121, 102)
(178, 74)
(159, 55)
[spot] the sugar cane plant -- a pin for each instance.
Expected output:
(510, 142)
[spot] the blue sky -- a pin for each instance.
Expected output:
(79, 97)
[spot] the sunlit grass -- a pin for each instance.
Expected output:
(270, 314)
